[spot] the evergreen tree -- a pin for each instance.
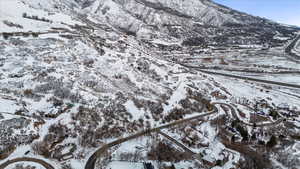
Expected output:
(272, 142)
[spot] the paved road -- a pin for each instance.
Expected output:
(234, 114)
(26, 159)
(90, 164)
(243, 77)
(291, 46)
(246, 70)
(92, 160)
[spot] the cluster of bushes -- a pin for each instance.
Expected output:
(272, 142)
(6, 151)
(274, 114)
(88, 119)
(57, 134)
(155, 108)
(106, 121)
(58, 89)
(254, 161)
(6, 35)
(25, 15)
(170, 48)
(243, 131)
(233, 25)
(11, 24)
(289, 160)
(195, 41)
(22, 166)
(30, 94)
(62, 109)
(114, 120)
(176, 114)
(51, 85)
(165, 152)
(193, 103)
(131, 156)
(67, 166)
(192, 140)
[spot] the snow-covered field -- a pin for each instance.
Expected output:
(14, 10)
(76, 76)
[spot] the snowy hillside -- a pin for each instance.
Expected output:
(133, 83)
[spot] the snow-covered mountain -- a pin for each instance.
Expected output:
(96, 83)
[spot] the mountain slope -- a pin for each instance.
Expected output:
(79, 75)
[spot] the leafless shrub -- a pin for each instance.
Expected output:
(176, 114)
(131, 156)
(288, 159)
(52, 85)
(27, 92)
(21, 166)
(62, 93)
(41, 148)
(252, 159)
(67, 166)
(167, 153)
(11, 24)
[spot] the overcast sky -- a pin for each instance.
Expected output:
(283, 11)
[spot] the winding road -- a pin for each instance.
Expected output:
(92, 160)
(234, 114)
(26, 159)
(90, 164)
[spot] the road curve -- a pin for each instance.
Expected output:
(291, 46)
(92, 160)
(90, 164)
(234, 114)
(26, 159)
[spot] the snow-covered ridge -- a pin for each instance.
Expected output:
(13, 11)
